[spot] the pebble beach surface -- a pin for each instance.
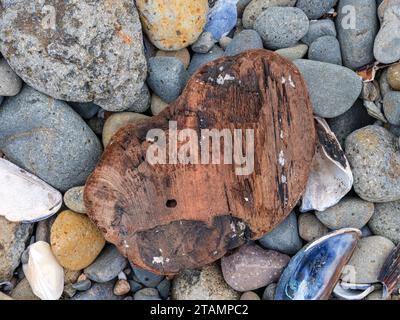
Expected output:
(67, 87)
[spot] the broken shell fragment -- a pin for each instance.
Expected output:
(44, 273)
(354, 291)
(314, 271)
(331, 177)
(25, 197)
(390, 273)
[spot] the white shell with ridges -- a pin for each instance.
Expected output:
(24, 197)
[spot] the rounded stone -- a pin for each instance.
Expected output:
(107, 265)
(205, 284)
(391, 107)
(310, 228)
(281, 27)
(250, 267)
(373, 155)
(200, 59)
(173, 25)
(325, 49)
(157, 105)
(249, 295)
(357, 41)
(164, 288)
(85, 110)
(393, 76)
(23, 291)
(367, 260)
(350, 212)
(293, 53)
(121, 287)
(142, 101)
(146, 294)
(47, 138)
(284, 238)
(333, 89)
(319, 28)
(204, 43)
(13, 237)
(118, 120)
(269, 292)
(10, 83)
(256, 7)
(77, 51)
(148, 279)
(73, 199)
(386, 221)
(182, 55)
(245, 40)
(75, 240)
(98, 291)
(315, 9)
(167, 77)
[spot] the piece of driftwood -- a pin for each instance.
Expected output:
(169, 217)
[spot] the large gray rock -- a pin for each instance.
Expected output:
(357, 41)
(319, 28)
(46, 137)
(350, 212)
(387, 41)
(375, 161)
(333, 89)
(245, 40)
(284, 237)
(325, 49)
(107, 265)
(281, 27)
(13, 238)
(315, 9)
(386, 221)
(80, 51)
(10, 83)
(250, 267)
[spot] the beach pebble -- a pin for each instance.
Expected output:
(357, 41)
(281, 27)
(73, 199)
(135, 286)
(387, 41)
(284, 237)
(391, 107)
(256, 7)
(107, 266)
(13, 237)
(47, 138)
(393, 76)
(225, 41)
(241, 5)
(164, 288)
(354, 118)
(366, 232)
(148, 279)
(173, 25)
(82, 285)
(310, 228)
(93, 67)
(269, 292)
(142, 101)
(157, 105)
(99, 291)
(386, 221)
(167, 77)
(23, 291)
(200, 59)
(221, 19)
(245, 40)
(315, 9)
(373, 155)
(350, 212)
(118, 120)
(319, 28)
(75, 240)
(10, 83)
(325, 49)
(250, 267)
(296, 52)
(205, 284)
(121, 287)
(333, 89)
(182, 55)
(86, 110)
(146, 294)
(204, 43)
(249, 295)
(368, 259)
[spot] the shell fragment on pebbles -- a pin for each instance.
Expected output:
(331, 177)
(25, 197)
(44, 273)
(350, 291)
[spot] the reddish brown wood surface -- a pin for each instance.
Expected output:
(216, 210)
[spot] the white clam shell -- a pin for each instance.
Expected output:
(44, 273)
(330, 177)
(25, 197)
